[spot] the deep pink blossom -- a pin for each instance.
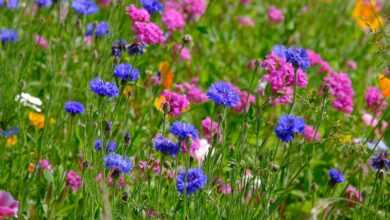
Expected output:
(41, 41)
(275, 15)
(9, 207)
(192, 92)
(351, 64)
(245, 21)
(246, 100)
(375, 100)
(340, 87)
(137, 14)
(45, 165)
(194, 8)
(73, 180)
(148, 32)
(173, 19)
(175, 102)
(316, 60)
(211, 129)
(352, 194)
(183, 52)
(310, 134)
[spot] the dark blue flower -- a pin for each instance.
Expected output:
(117, 47)
(165, 145)
(117, 162)
(85, 7)
(10, 132)
(43, 3)
(127, 138)
(335, 176)
(125, 71)
(111, 146)
(136, 48)
(183, 130)
(74, 108)
(90, 29)
(190, 181)
(103, 88)
(294, 55)
(380, 161)
(100, 29)
(98, 144)
(223, 93)
(152, 6)
(8, 35)
(11, 4)
(288, 126)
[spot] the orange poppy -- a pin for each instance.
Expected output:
(366, 14)
(37, 119)
(11, 140)
(159, 103)
(384, 84)
(166, 75)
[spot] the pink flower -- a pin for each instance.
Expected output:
(192, 92)
(137, 14)
(275, 15)
(245, 2)
(88, 40)
(185, 53)
(246, 100)
(143, 165)
(177, 103)
(340, 87)
(245, 21)
(371, 121)
(199, 149)
(353, 195)
(375, 100)
(223, 187)
(41, 41)
(148, 32)
(316, 60)
(105, 2)
(194, 8)
(73, 180)
(310, 134)
(283, 96)
(9, 207)
(211, 129)
(45, 165)
(351, 64)
(173, 20)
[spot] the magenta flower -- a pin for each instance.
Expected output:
(9, 207)
(340, 87)
(310, 134)
(137, 14)
(148, 33)
(192, 92)
(375, 100)
(194, 8)
(183, 52)
(211, 129)
(316, 60)
(73, 180)
(175, 102)
(173, 19)
(352, 194)
(245, 21)
(351, 64)
(41, 41)
(275, 15)
(245, 102)
(45, 165)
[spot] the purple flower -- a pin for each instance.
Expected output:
(111, 146)
(190, 181)
(165, 145)
(98, 145)
(103, 88)
(44, 3)
(100, 29)
(288, 126)
(74, 108)
(8, 35)
(152, 6)
(335, 176)
(126, 72)
(296, 56)
(85, 7)
(117, 162)
(380, 161)
(136, 49)
(223, 93)
(183, 130)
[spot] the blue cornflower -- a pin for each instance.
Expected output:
(117, 47)
(103, 88)
(136, 49)
(117, 162)
(8, 35)
(294, 55)
(165, 145)
(85, 7)
(152, 6)
(335, 176)
(288, 126)
(125, 71)
(98, 144)
(100, 29)
(11, 4)
(111, 146)
(43, 3)
(190, 181)
(183, 130)
(74, 108)
(380, 161)
(10, 132)
(223, 93)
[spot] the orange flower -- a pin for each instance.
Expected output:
(127, 91)
(159, 103)
(166, 75)
(384, 84)
(36, 119)
(11, 140)
(30, 167)
(366, 14)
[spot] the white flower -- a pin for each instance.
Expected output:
(202, 149)
(29, 101)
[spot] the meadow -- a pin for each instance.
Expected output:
(194, 109)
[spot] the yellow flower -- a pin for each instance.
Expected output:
(36, 119)
(159, 103)
(127, 91)
(30, 167)
(166, 75)
(384, 84)
(11, 140)
(345, 139)
(366, 14)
